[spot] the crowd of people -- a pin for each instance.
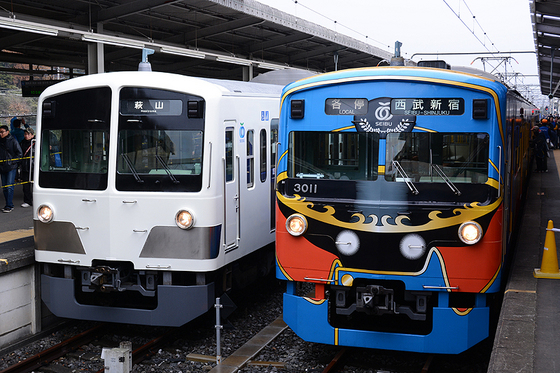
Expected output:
(15, 161)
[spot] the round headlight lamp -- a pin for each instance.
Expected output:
(470, 232)
(296, 225)
(184, 219)
(45, 213)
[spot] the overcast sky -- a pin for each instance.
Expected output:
(432, 26)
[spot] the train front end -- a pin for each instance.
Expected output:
(390, 202)
(124, 228)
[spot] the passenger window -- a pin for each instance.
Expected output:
(229, 155)
(262, 145)
(250, 159)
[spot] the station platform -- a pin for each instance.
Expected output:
(527, 337)
(16, 234)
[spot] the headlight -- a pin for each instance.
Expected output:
(45, 213)
(296, 225)
(184, 219)
(470, 232)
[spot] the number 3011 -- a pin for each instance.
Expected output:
(305, 188)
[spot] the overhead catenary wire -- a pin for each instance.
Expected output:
(475, 20)
(297, 2)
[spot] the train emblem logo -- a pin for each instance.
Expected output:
(380, 119)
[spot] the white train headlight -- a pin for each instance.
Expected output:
(296, 225)
(184, 219)
(45, 213)
(470, 232)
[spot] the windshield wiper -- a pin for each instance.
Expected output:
(131, 167)
(403, 174)
(446, 179)
(166, 168)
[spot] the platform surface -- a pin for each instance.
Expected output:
(528, 333)
(16, 234)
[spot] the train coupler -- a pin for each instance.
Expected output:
(378, 300)
(107, 279)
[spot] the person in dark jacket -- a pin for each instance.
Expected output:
(10, 153)
(26, 166)
(541, 149)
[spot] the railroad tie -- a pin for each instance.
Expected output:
(251, 348)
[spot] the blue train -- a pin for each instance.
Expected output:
(398, 189)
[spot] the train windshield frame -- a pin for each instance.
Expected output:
(333, 155)
(437, 157)
(75, 140)
(160, 141)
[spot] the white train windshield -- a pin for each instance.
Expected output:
(159, 140)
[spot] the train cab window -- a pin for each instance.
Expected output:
(79, 151)
(437, 157)
(250, 158)
(262, 154)
(159, 145)
(168, 155)
(74, 140)
(333, 155)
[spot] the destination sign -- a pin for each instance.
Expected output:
(346, 106)
(427, 106)
(151, 107)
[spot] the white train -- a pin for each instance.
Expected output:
(154, 193)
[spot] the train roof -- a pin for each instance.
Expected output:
(168, 80)
(392, 72)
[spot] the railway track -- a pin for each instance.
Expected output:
(45, 357)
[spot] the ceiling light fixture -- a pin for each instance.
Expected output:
(270, 66)
(14, 24)
(113, 40)
(234, 60)
(183, 52)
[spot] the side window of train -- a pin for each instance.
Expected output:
(229, 155)
(262, 154)
(250, 159)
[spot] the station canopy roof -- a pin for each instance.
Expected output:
(207, 38)
(546, 28)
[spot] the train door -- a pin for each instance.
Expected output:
(231, 188)
(273, 159)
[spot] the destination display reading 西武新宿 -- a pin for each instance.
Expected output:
(427, 106)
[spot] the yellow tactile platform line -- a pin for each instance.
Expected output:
(14, 235)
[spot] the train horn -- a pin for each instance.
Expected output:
(549, 264)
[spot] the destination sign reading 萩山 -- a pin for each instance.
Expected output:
(427, 106)
(151, 107)
(346, 106)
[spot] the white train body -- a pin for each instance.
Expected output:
(122, 156)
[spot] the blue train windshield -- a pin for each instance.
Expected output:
(437, 157)
(332, 155)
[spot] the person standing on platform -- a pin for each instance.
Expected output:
(10, 152)
(541, 149)
(26, 166)
(15, 128)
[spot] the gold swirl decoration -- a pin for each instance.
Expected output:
(470, 211)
